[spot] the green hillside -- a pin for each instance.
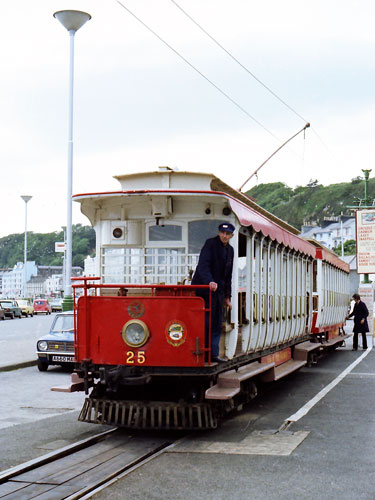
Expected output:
(310, 203)
(41, 247)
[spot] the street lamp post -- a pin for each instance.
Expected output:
(64, 257)
(24, 276)
(72, 20)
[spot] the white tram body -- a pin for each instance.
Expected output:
(330, 291)
(152, 231)
(289, 299)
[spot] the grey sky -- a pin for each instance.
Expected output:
(137, 105)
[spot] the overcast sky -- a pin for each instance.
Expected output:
(138, 105)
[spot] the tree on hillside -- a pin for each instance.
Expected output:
(312, 202)
(350, 248)
(41, 247)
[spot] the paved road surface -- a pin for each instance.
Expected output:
(329, 454)
(18, 338)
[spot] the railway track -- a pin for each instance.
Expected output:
(81, 469)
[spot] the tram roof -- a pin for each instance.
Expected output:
(248, 212)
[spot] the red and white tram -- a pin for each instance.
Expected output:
(140, 327)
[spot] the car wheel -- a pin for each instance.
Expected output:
(42, 365)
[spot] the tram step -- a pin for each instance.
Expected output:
(335, 340)
(77, 384)
(282, 370)
(229, 383)
(301, 351)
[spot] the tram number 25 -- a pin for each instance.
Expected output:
(135, 357)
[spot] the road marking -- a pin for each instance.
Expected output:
(310, 404)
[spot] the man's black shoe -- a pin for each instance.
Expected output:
(218, 359)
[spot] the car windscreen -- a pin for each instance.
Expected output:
(6, 304)
(40, 302)
(63, 324)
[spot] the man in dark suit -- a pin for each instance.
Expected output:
(215, 269)
(360, 313)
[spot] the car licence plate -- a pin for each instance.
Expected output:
(64, 359)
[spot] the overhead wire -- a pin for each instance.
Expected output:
(227, 96)
(251, 73)
(238, 62)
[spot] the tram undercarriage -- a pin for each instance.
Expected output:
(138, 399)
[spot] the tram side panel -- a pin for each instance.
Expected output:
(276, 286)
(331, 296)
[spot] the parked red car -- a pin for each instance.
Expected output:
(42, 306)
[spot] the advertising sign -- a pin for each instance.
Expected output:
(366, 293)
(365, 229)
(60, 246)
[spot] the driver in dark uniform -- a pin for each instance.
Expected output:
(215, 269)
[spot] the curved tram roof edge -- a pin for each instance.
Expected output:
(248, 214)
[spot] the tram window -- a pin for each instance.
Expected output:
(242, 245)
(199, 231)
(290, 307)
(263, 304)
(122, 265)
(315, 303)
(168, 232)
(242, 272)
(315, 270)
(270, 308)
(255, 308)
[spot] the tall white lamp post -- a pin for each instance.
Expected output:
(72, 20)
(64, 257)
(24, 276)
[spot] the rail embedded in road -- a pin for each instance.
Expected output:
(77, 469)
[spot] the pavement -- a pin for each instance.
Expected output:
(18, 339)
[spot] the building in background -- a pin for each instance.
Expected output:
(12, 279)
(41, 281)
(332, 231)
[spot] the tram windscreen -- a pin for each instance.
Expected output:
(168, 232)
(200, 231)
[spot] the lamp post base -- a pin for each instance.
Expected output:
(67, 303)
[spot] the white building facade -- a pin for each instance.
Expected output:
(12, 280)
(332, 233)
(41, 281)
